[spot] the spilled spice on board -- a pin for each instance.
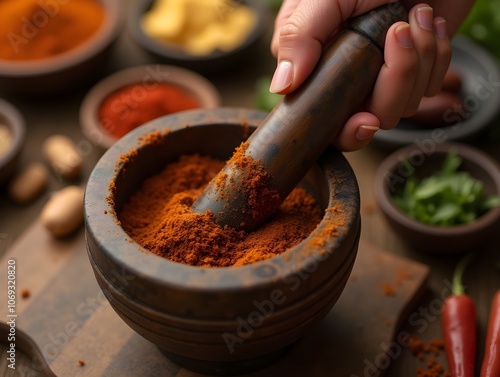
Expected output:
(428, 354)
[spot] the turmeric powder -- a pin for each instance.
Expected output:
(38, 29)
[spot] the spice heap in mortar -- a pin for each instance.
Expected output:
(33, 29)
(159, 217)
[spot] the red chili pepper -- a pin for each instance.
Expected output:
(459, 326)
(491, 360)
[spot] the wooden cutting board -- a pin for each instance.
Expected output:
(78, 334)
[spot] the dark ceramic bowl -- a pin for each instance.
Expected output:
(205, 93)
(390, 177)
(218, 320)
(66, 71)
(215, 63)
(12, 119)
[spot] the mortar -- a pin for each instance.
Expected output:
(218, 320)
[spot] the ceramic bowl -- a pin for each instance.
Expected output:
(66, 71)
(224, 320)
(391, 175)
(218, 62)
(14, 124)
(205, 93)
(480, 74)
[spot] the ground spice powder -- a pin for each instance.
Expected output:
(135, 104)
(252, 181)
(159, 217)
(428, 353)
(33, 29)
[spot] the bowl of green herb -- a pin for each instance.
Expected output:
(446, 199)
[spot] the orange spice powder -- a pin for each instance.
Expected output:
(33, 29)
(159, 217)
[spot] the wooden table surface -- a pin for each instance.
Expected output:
(50, 116)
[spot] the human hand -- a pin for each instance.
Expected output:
(416, 57)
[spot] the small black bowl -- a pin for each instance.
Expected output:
(215, 63)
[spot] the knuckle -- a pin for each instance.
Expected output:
(427, 50)
(389, 122)
(291, 31)
(410, 110)
(407, 70)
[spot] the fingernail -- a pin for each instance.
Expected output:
(282, 78)
(366, 132)
(403, 35)
(440, 27)
(425, 17)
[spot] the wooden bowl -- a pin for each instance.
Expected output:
(202, 90)
(64, 72)
(390, 177)
(217, 62)
(218, 320)
(15, 124)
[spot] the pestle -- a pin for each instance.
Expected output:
(302, 125)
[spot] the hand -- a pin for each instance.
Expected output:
(417, 55)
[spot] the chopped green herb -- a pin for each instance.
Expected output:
(449, 197)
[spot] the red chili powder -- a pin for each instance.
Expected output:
(136, 104)
(159, 217)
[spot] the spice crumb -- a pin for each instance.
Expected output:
(402, 276)
(427, 353)
(388, 289)
(25, 293)
(81, 362)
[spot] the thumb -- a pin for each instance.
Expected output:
(302, 29)
(298, 40)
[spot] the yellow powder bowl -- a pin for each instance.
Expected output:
(209, 37)
(29, 72)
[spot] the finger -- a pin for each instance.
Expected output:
(302, 36)
(421, 22)
(454, 13)
(300, 42)
(442, 59)
(396, 78)
(286, 10)
(357, 132)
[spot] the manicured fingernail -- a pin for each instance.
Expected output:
(403, 35)
(366, 132)
(425, 17)
(282, 78)
(440, 27)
